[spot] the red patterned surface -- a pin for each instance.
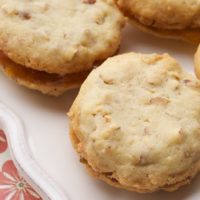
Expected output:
(3, 142)
(12, 185)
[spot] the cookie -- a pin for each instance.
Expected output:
(135, 123)
(61, 37)
(197, 62)
(172, 19)
(51, 84)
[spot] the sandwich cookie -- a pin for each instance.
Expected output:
(62, 39)
(171, 19)
(135, 123)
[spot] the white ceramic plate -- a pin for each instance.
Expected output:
(46, 133)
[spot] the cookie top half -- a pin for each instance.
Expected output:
(164, 14)
(136, 120)
(59, 36)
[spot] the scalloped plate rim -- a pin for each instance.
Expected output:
(23, 159)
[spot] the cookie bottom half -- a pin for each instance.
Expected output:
(188, 35)
(197, 63)
(51, 84)
(182, 179)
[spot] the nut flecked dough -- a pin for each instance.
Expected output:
(135, 123)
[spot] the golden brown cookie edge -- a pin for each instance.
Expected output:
(54, 88)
